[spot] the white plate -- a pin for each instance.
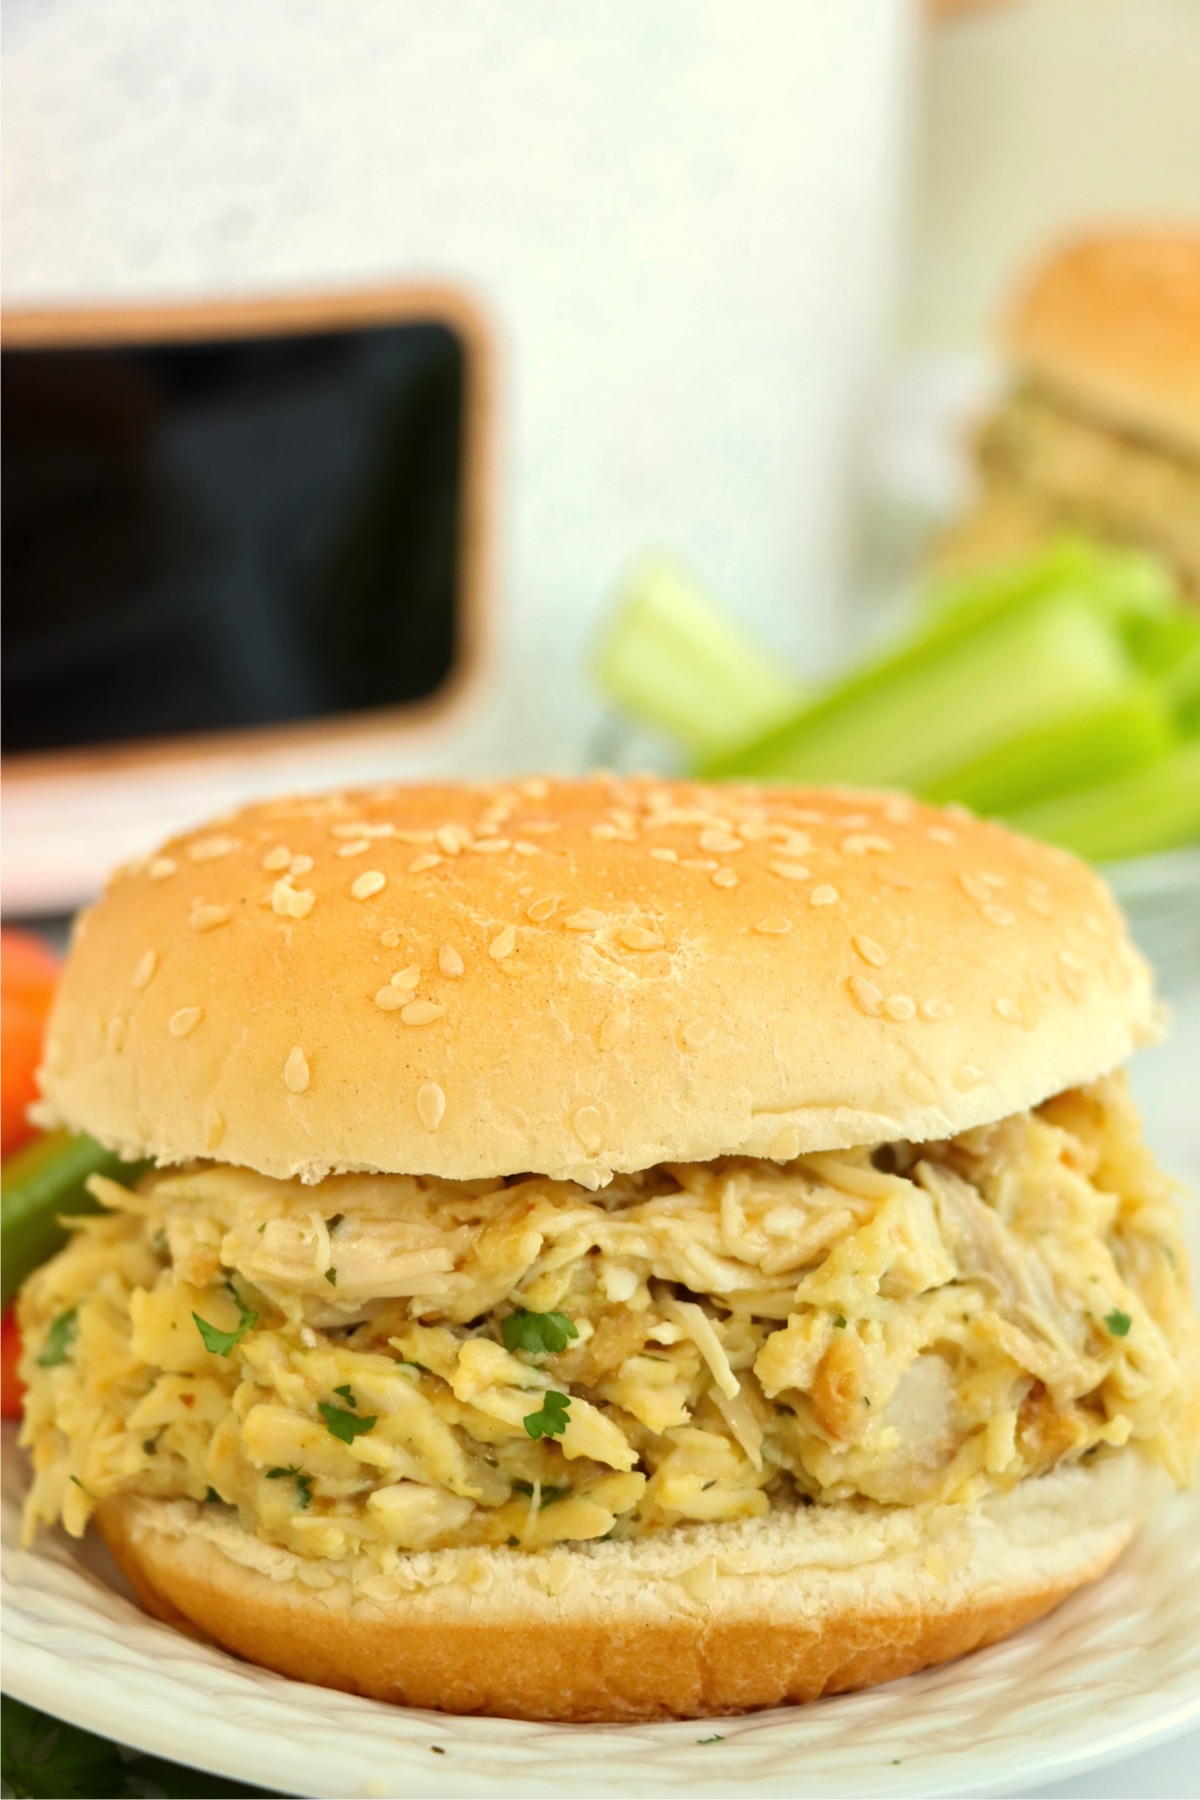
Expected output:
(1115, 1670)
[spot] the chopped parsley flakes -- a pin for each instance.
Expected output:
(716, 1738)
(1118, 1323)
(60, 1340)
(331, 1275)
(550, 1420)
(538, 1334)
(345, 1426)
(303, 1482)
(222, 1343)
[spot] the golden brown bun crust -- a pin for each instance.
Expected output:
(617, 1639)
(582, 1005)
(1112, 323)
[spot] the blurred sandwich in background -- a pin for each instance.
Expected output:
(1101, 429)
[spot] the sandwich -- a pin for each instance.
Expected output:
(613, 1249)
(1101, 430)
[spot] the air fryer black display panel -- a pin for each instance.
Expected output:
(206, 536)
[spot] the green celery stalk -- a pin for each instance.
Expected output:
(1093, 744)
(1150, 809)
(669, 658)
(914, 717)
(41, 1183)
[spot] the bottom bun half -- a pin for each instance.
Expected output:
(692, 1623)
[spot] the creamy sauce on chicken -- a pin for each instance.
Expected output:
(386, 1363)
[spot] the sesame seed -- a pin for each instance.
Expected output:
(185, 1020)
(114, 1038)
(1040, 906)
(587, 920)
(422, 1012)
(974, 886)
(869, 997)
(794, 843)
(453, 839)
(491, 845)
(419, 864)
(637, 937)
(916, 1083)
(143, 975)
(775, 926)
(854, 821)
(413, 837)
(540, 910)
(390, 938)
(295, 1071)
(694, 862)
(992, 881)
(1069, 960)
(214, 1128)
(290, 902)
(589, 1127)
(866, 845)
(1007, 1009)
(968, 1077)
(870, 951)
(210, 848)
(431, 1105)
(997, 915)
(207, 918)
(535, 788)
(785, 1146)
(935, 1009)
(523, 848)
(604, 833)
(613, 1027)
(663, 853)
(697, 1033)
(823, 896)
(899, 1006)
(540, 827)
(161, 868)
(358, 848)
(369, 883)
(391, 999)
(941, 834)
(1093, 924)
(893, 878)
(790, 871)
(725, 878)
(504, 945)
(406, 978)
(449, 961)
(277, 859)
(300, 865)
(722, 841)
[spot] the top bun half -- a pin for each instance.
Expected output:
(576, 978)
(1112, 323)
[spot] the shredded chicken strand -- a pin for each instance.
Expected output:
(914, 1325)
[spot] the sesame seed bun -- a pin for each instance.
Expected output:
(713, 1619)
(572, 978)
(1112, 325)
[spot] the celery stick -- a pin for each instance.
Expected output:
(1151, 809)
(928, 710)
(669, 658)
(1099, 741)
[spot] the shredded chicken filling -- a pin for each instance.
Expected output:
(911, 1324)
